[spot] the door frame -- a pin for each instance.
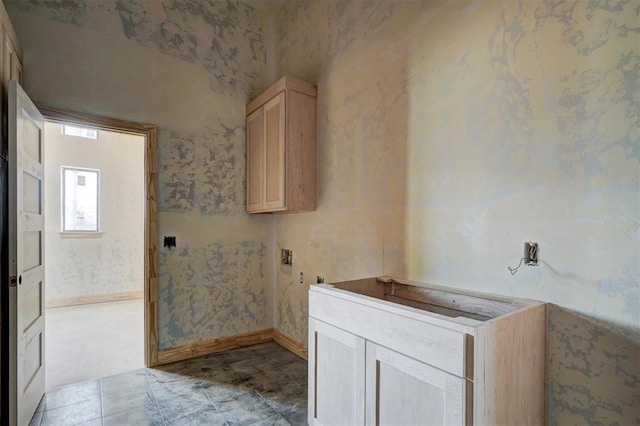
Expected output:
(150, 133)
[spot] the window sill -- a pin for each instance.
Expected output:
(81, 234)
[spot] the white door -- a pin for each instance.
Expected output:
(26, 256)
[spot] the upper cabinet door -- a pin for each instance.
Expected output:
(255, 161)
(274, 115)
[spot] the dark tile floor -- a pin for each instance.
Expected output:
(258, 385)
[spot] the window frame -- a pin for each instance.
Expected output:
(80, 131)
(92, 232)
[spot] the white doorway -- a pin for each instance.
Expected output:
(95, 251)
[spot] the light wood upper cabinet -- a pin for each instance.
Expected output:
(281, 148)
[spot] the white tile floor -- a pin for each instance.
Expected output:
(86, 342)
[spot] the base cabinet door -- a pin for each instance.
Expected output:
(336, 376)
(403, 391)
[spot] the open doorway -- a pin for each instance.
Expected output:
(94, 246)
(100, 246)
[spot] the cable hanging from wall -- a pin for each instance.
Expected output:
(530, 257)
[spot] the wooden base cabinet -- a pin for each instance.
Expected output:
(391, 352)
(281, 148)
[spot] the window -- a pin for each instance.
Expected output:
(80, 200)
(82, 132)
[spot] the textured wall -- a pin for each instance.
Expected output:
(452, 132)
(525, 125)
(594, 374)
(474, 126)
(112, 263)
(189, 67)
(355, 52)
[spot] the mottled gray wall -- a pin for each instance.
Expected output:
(188, 67)
(474, 126)
(594, 373)
(451, 132)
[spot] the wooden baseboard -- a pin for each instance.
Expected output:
(98, 298)
(193, 350)
(291, 344)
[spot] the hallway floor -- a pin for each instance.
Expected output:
(257, 385)
(86, 342)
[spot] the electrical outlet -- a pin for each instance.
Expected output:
(531, 254)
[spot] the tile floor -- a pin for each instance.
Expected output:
(258, 385)
(91, 341)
